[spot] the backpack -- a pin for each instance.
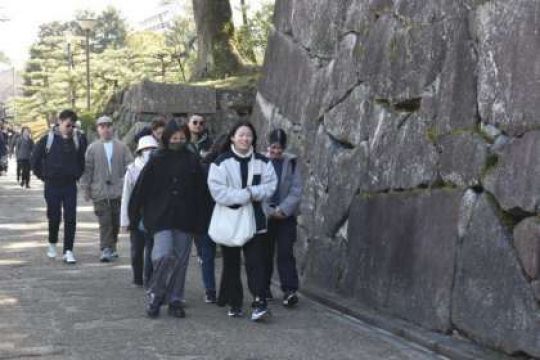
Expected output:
(50, 139)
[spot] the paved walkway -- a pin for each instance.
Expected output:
(50, 310)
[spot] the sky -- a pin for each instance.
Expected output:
(17, 34)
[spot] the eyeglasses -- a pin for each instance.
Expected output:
(197, 123)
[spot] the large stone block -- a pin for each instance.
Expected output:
(325, 263)
(462, 159)
(292, 88)
(509, 70)
(527, 244)
(412, 50)
(402, 254)
(316, 25)
(327, 197)
(149, 97)
(400, 153)
(493, 303)
(348, 122)
(515, 180)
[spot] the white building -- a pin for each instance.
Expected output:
(163, 17)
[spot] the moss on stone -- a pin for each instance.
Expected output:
(491, 162)
(432, 134)
(232, 83)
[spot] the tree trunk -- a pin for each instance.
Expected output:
(217, 56)
(244, 12)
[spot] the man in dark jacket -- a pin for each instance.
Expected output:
(58, 160)
(200, 144)
(198, 135)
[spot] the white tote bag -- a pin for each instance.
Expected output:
(233, 227)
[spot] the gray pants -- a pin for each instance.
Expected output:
(170, 259)
(108, 214)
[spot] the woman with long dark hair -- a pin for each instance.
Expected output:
(241, 176)
(169, 196)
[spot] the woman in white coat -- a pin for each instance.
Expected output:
(237, 177)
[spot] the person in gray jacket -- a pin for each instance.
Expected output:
(102, 182)
(23, 149)
(282, 209)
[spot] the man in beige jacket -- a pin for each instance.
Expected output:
(105, 165)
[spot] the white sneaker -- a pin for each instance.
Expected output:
(69, 258)
(51, 251)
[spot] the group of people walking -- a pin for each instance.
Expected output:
(181, 188)
(19, 145)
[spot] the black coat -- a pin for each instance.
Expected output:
(170, 193)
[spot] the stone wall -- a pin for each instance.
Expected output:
(135, 107)
(416, 123)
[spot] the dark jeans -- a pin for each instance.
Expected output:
(282, 235)
(231, 291)
(108, 214)
(206, 251)
(141, 256)
(58, 197)
(19, 170)
(23, 171)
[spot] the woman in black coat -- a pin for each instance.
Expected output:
(169, 196)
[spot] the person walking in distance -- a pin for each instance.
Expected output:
(58, 160)
(102, 182)
(282, 209)
(142, 241)
(241, 176)
(23, 150)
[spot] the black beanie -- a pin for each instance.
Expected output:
(278, 136)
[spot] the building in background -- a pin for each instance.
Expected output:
(163, 16)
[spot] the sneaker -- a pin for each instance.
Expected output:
(260, 312)
(210, 297)
(290, 299)
(152, 305)
(51, 251)
(106, 255)
(114, 254)
(177, 310)
(235, 312)
(69, 258)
